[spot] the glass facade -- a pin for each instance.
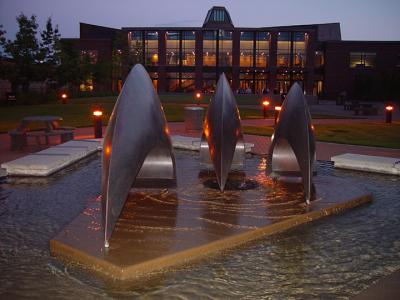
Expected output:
(262, 49)
(225, 48)
(187, 82)
(172, 82)
(362, 59)
(151, 48)
(135, 44)
(209, 82)
(283, 49)
(209, 48)
(246, 49)
(188, 48)
(300, 40)
(172, 48)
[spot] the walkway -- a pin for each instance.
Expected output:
(261, 144)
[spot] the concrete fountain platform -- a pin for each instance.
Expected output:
(164, 229)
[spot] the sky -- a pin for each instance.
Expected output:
(359, 19)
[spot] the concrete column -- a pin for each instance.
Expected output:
(235, 59)
(161, 61)
(273, 49)
(199, 60)
(311, 46)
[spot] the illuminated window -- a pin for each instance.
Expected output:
(209, 48)
(188, 48)
(300, 40)
(151, 48)
(89, 56)
(246, 49)
(172, 51)
(262, 49)
(154, 79)
(87, 85)
(283, 51)
(362, 59)
(225, 48)
(135, 43)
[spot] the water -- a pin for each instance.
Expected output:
(336, 257)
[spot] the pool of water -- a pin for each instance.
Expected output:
(332, 258)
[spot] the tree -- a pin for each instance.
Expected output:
(2, 38)
(49, 54)
(68, 72)
(24, 52)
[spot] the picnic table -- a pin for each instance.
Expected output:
(19, 136)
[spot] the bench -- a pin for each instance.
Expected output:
(18, 139)
(65, 135)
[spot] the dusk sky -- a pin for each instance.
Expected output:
(359, 19)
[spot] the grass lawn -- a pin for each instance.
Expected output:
(77, 112)
(377, 134)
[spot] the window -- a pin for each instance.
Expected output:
(246, 49)
(89, 56)
(87, 85)
(362, 59)
(151, 48)
(283, 51)
(225, 48)
(172, 45)
(187, 82)
(299, 49)
(188, 48)
(319, 59)
(209, 82)
(135, 43)
(173, 82)
(209, 48)
(262, 49)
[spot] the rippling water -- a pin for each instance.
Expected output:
(332, 258)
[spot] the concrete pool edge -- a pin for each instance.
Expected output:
(178, 259)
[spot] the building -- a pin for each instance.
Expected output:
(185, 59)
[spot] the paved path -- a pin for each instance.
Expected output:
(261, 144)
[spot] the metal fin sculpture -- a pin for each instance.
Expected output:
(222, 140)
(292, 151)
(136, 146)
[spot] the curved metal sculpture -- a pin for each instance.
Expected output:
(136, 148)
(292, 151)
(222, 140)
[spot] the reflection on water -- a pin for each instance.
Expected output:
(335, 257)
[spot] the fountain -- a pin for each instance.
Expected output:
(292, 151)
(157, 209)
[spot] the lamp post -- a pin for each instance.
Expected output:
(277, 110)
(389, 110)
(265, 104)
(97, 123)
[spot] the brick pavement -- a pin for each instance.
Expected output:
(324, 150)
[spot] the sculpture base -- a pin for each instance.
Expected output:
(161, 229)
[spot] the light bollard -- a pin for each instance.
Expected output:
(265, 104)
(97, 123)
(389, 110)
